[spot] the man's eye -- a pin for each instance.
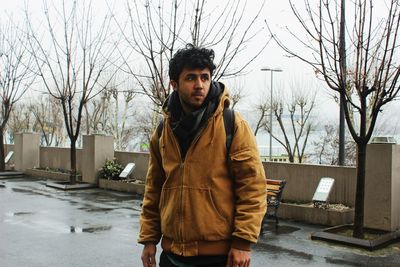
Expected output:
(205, 77)
(190, 77)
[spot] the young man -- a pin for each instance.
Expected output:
(206, 203)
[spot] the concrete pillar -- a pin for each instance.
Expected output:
(96, 150)
(26, 151)
(382, 187)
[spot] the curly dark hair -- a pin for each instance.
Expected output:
(193, 58)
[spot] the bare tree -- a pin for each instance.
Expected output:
(97, 113)
(293, 117)
(364, 73)
(48, 120)
(236, 92)
(105, 114)
(20, 120)
(326, 147)
(294, 137)
(120, 129)
(16, 75)
(262, 109)
(72, 57)
(144, 128)
(169, 25)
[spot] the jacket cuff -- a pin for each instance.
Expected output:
(241, 244)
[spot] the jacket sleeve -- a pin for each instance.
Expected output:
(250, 186)
(150, 229)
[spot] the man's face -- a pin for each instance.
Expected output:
(193, 86)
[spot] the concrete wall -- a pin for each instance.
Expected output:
(59, 158)
(140, 159)
(97, 149)
(303, 179)
(8, 148)
(382, 187)
(396, 188)
(26, 151)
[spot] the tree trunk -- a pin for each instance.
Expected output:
(2, 155)
(72, 176)
(358, 230)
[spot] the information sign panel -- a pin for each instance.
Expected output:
(323, 190)
(128, 170)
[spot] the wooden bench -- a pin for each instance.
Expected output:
(274, 196)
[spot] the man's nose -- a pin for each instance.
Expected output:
(199, 82)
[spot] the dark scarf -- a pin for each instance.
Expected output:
(186, 126)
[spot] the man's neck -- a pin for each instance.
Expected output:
(186, 110)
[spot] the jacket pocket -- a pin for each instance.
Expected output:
(241, 155)
(203, 221)
(169, 212)
(244, 163)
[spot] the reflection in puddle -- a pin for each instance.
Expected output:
(94, 229)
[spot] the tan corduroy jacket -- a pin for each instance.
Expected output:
(199, 205)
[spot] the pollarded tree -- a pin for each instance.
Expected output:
(262, 110)
(294, 121)
(359, 60)
(16, 74)
(293, 116)
(72, 55)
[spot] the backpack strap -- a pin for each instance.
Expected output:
(160, 128)
(229, 123)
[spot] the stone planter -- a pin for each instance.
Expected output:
(59, 176)
(122, 186)
(373, 239)
(309, 214)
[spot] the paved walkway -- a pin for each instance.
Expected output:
(41, 226)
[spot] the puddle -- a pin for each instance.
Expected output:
(96, 209)
(93, 229)
(21, 213)
(18, 190)
(280, 251)
(280, 230)
(342, 262)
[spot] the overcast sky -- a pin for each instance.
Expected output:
(257, 83)
(275, 12)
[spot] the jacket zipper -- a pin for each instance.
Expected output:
(199, 133)
(182, 166)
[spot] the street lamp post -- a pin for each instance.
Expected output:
(272, 70)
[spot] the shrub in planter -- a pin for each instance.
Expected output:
(111, 170)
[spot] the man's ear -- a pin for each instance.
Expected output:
(173, 84)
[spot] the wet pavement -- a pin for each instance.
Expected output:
(42, 226)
